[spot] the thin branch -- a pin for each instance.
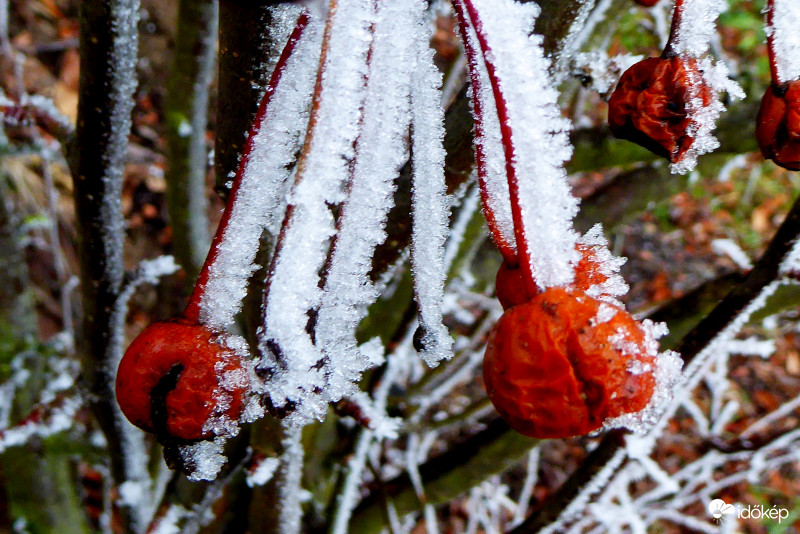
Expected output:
(108, 51)
(446, 476)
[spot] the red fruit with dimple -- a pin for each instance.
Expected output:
(778, 125)
(649, 104)
(168, 382)
(553, 368)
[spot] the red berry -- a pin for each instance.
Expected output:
(778, 125)
(510, 285)
(554, 368)
(649, 104)
(169, 381)
(646, 3)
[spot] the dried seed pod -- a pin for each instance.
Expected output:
(778, 125)
(650, 104)
(562, 363)
(175, 378)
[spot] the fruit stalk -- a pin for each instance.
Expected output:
(468, 15)
(192, 311)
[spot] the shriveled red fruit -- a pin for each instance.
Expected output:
(649, 104)
(778, 125)
(560, 364)
(168, 382)
(512, 290)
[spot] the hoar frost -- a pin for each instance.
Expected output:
(786, 39)
(692, 39)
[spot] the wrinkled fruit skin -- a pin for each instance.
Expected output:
(552, 373)
(511, 289)
(649, 104)
(778, 125)
(178, 405)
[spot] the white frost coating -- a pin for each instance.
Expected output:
(704, 116)
(290, 491)
(603, 70)
(58, 420)
(429, 203)
(380, 152)
(262, 473)
(786, 39)
(541, 143)
(531, 479)
(692, 39)
(752, 346)
(151, 270)
(731, 249)
(790, 266)
(607, 265)
(205, 458)
(169, 523)
(262, 190)
(348, 497)
(469, 206)
(698, 25)
(322, 173)
(488, 142)
(667, 376)
(47, 107)
(579, 503)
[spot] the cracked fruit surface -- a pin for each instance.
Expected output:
(169, 381)
(560, 364)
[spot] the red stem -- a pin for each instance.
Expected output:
(472, 18)
(506, 249)
(677, 18)
(773, 60)
(192, 311)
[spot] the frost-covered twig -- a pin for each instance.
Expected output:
(447, 475)
(541, 203)
(287, 349)
(255, 198)
(44, 421)
(39, 111)
(109, 43)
